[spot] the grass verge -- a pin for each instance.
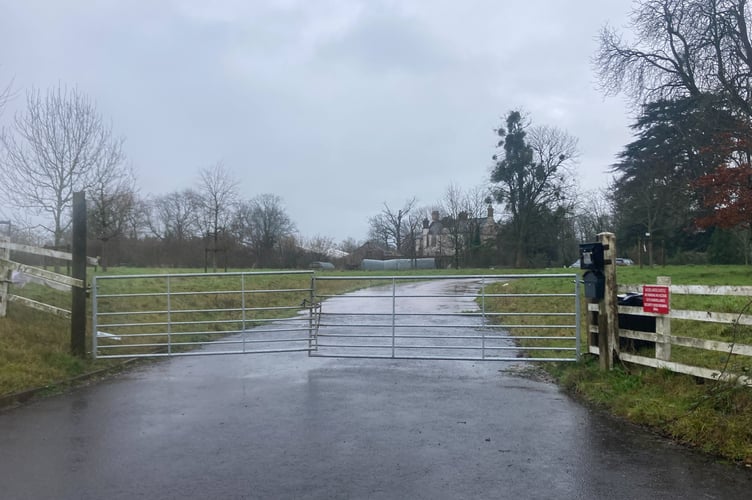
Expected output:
(714, 417)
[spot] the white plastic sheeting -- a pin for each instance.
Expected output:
(397, 264)
(20, 279)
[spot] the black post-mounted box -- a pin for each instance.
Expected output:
(591, 256)
(595, 284)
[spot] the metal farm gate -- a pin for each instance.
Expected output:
(392, 317)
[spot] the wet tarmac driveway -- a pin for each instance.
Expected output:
(293, 427)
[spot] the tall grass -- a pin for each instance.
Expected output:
(34, 350)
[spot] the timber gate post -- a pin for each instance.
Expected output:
(4, 279)
(78, 271)
(5, 272)
(608, 319)
(663, 326)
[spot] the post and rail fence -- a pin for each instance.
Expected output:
(613, 327)
(75, 284)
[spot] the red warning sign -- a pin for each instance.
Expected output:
(655, 299)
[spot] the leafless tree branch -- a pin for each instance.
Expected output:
(681, 48)
(59, 145)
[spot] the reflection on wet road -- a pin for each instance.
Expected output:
(419, 320)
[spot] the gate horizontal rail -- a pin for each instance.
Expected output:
(390, 322)
(401, 317)
(154, 315)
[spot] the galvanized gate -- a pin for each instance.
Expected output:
(394, 317)
(449, 317)
(203, 313)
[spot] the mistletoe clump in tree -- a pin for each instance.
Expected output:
(533, 178)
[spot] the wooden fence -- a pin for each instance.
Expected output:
(663, 339)
(76, 284)
(57, 280)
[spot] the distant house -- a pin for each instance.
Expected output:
(440, 237)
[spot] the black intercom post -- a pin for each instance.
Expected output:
(595, 285)
(592, 256)
(593, 261)
(599, 262)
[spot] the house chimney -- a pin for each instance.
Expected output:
(490, 212)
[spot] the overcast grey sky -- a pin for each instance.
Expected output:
(336, 106)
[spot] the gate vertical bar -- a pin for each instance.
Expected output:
(169, 319)
(311, 297)
(242, 306)
(394, 316)
(577, 318)
(483, 310)
(94, 323)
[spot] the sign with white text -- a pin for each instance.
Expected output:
(655, 299)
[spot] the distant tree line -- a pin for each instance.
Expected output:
(60, 144)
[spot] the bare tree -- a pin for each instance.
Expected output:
(173, 216)
(114, 206)
(390, 226)
(555, 151)
(593, 215)
(218, 199)
(378, 231)
(5, 96)
(262, 223)
(349, 245)
(58, 146)
(681, 48)
(320, 247)
(173, 219)
(464, 210)
(412, 233)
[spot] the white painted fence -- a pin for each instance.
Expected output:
(14, 272)
(664, 339)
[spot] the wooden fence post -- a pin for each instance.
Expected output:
(78, 270)
(608, 319)
(4, 279)
(663, 327)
